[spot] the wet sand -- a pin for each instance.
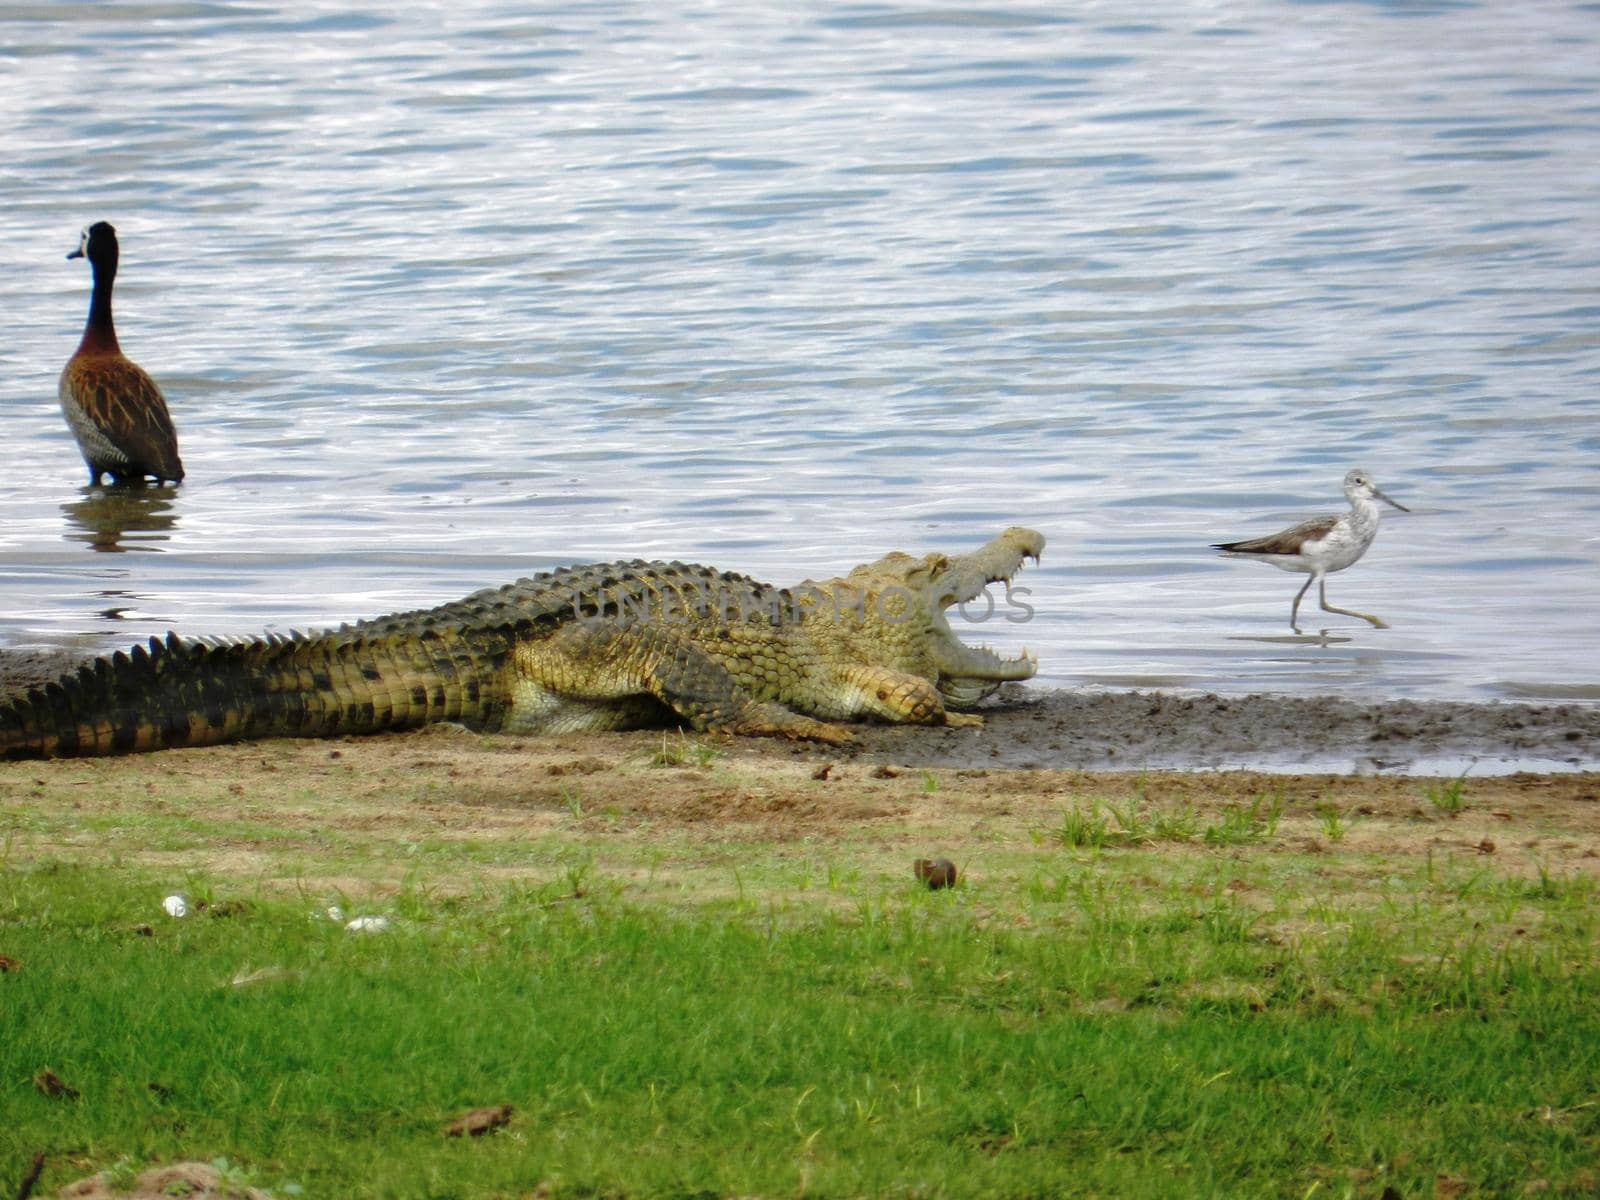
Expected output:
(1144, 730)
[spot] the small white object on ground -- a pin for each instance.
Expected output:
(244, 978)
(176, 906)
(368, 925)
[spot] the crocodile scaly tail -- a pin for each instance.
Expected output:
(178, 693)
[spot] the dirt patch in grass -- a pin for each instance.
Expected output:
(191, 1180)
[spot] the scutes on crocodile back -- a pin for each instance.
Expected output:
(446, 663)
(178, 693)
(626, 589)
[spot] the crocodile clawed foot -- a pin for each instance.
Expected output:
(956, 720)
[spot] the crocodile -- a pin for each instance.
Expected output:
(606, 646)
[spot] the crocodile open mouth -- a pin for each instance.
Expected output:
(968, 674)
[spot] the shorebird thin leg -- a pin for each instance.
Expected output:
(1322, 592)
(1294, 608)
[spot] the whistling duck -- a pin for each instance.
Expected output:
(115, 409)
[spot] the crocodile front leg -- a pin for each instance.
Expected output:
(901, 697)
(611, 665)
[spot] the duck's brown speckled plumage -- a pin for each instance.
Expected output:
(113, 407)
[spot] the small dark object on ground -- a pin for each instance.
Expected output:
(823, 771)
(9, 964)
(35, 1169)
(936, 873)
(479, 1121)
(51, 1084)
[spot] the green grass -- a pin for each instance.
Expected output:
(1087, 1028)
(1103, 823)
(1244, 824)
(1449, 796)
(679, 750)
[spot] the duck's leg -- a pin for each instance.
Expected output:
(1322, 593)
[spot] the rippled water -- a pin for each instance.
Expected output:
(440, 298)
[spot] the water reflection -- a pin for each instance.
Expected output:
(106, 518)
(119, 611)
(1325, 637)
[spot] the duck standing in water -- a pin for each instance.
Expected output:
(1322, 545)
(115, 409)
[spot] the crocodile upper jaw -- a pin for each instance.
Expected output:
(967, 674)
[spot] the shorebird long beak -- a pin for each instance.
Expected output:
(1379, 495)
(78, 253)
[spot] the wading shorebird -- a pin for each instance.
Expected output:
(114, 408)
(1322, 545)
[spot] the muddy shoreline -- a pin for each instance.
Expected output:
(1167, 731)
(1171, 731)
